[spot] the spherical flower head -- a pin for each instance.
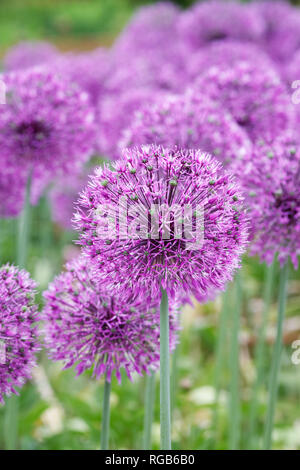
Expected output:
(12, 192)
(46, 126)
(255, 97)
(63, 196)
(87, 325)
(216, 20)
(226, 53)
(115, 113)
(281, 36)
(179, 222)
(270, 179)
(188, 121)
(28, 54)
(18, 315)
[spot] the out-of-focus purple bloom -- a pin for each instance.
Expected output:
(217, 20)
(18, 343)
(87, 69)
(188, 121)
(160, 184)
(28, 54)
(228, 53)
(115, 113)
(152, 27)
(89, 326)
(149, 52)
(63, 196)
(270, 179)
(12, 186)
(46, 127)
(256, 97)
(281, 36)
(147, 70)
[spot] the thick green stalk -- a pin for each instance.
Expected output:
(165, 411)
(149, 409)
(219, 362)
(276, 359)
(260, 355)
(105, 415)
(12, 405)
(234, 407)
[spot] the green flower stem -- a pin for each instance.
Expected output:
(219, 362)
(165, 411)
(234, 407)
(276, 359)
(260, 355)
(12, 405)
(105, 415)
(149, 409)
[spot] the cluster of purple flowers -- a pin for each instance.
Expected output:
(214, 78)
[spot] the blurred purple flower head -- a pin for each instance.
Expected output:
(115, 113)
(188, 121)
(281, 37)
(47, 125)
(28, 54)
(152, 27)
(167, 188)
(17, 330)
(12, 185)
(217, 20)
(89, 326)
(226, 53)
(147, 70)
(270, 179)
(256, 97)
(149, 53)
(86, 69)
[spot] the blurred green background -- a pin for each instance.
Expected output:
(59, 411)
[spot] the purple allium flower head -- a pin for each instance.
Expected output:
(255, 96)
(46, 126)
(227, 52)
(89, 326)
(17, 330)
(217, 20)
(270, 179)
(281, 37)
(167, 188)
(188, 121)
(115, 113)
(28, 54)
(63, 196)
